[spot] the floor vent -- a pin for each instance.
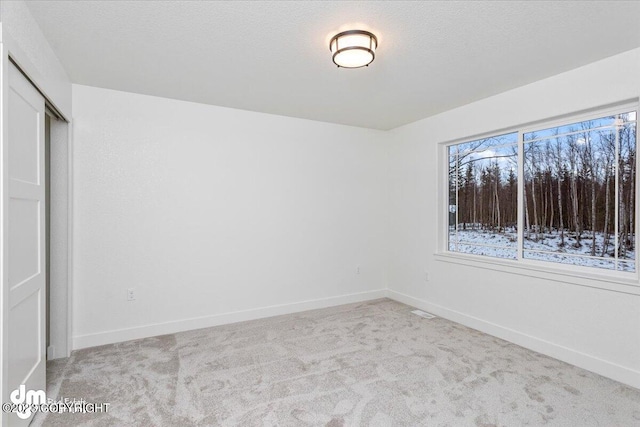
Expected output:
(423, 314)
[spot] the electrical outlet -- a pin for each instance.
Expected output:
(131, 294)
(358, 270)
(426, 276)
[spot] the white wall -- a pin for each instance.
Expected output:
(207, 211)
(593, 328)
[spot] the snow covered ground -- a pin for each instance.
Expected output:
(505, 244)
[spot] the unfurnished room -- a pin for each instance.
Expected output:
(319, 213)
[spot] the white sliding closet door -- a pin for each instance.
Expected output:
(23, 239)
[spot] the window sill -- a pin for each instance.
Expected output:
(616, 282)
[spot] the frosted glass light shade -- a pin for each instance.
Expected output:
(353, 48)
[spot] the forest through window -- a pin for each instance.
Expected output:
(577, 204)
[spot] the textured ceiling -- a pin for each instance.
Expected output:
(273, 57)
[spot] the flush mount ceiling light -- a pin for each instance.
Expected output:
(353, 48)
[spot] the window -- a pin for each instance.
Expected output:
(483, 196)
(563, 194)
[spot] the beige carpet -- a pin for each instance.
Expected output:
(368, 364)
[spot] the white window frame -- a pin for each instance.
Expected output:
(619, 281)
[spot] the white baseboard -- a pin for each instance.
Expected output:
(608, 369)
(119, 335)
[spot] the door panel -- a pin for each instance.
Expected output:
(24, 348)
(24, 140)
(24, 241)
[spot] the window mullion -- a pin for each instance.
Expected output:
(520, 207)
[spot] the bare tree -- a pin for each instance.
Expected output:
(559, 167)
(573, 176)
(608, 148)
